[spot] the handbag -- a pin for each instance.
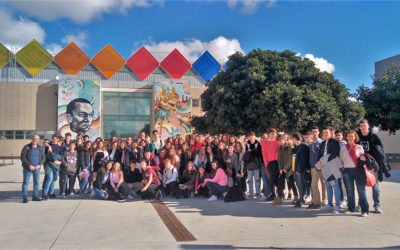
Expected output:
(370, 174)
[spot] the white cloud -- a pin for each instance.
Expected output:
(53, 48)
(79, 11)
(320, 63)
(79, 39)
(191, 49)
(250, 6)
(16, 33)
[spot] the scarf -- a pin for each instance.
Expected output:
(352, 152)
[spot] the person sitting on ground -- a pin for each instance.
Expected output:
(151, 183)
(187, 181)
(199, 189)
(170, 178)
(217, 185)
(133, 179)
(119, 188)
(102, 182)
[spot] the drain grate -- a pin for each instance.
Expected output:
(176, 228)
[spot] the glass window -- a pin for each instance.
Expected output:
(19, 134)
(9, 134)
(126, 114)
(196, 103)
(2, 135)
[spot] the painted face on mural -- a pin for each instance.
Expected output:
(80, 117)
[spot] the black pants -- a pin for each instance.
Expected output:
(273, 182)
(290, 182)
(67, 183)
(171, 187)
(203, 192)
(150, 192)
(123, 192)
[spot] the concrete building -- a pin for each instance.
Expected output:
(384, 64)
(29, 89)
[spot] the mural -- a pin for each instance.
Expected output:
(172, 109)
(79, 108)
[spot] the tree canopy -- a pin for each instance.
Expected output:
(382, 100)
(269, 89)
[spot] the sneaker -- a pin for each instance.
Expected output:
(130, 197)
(336, 210)
(62, 196)
(298, 204)
(36, 199)
(52, 196)
(312, 206)
(71, 195)
(92, 195)
(25, 200)
(343, 204)
(324, 202)
(45, 197)
(347, 212)
(357, 209)
(212, 198)
(378, 210)
(326, 208)
(270, 198)
(364, 214)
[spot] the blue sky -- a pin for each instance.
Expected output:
(346, 36)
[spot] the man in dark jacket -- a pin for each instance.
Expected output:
(32, 157)
(370, 142)
(301, 153)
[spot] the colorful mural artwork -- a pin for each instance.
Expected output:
(79, 108)
(172, 109)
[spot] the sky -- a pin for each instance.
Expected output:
(344, 38)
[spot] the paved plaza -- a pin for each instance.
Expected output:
(83, 223)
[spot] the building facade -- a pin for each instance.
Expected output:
(29, 90)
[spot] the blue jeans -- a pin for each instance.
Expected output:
(99, 194)
(333, 190)
(84, 182)
(27, 175)
(49, 184)
(362, 198)
(215, 188)
(256, 174)
(376, 194)
(349, 180)
(341, 189)
(264, 176)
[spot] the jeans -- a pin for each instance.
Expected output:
(341, 190)
(266, 185)
(27, 175)
(99, 194)
(362, 198)
(85, 181)
(256, 174)
(376, 194)
(301, 185)
(49, 183)
(349, 180)
(215, 188)
(68, 183)
(335, 190)
(307, 183)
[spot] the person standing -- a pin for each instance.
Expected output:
(371, 142)
(301, 153)
(269, 148)
(157, 141)
(253, 161)
(32, 158)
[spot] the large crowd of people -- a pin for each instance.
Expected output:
(309, 171)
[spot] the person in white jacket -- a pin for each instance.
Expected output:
(170, 178)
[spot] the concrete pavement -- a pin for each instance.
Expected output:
(89, 224)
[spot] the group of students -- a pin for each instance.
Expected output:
(279, 166)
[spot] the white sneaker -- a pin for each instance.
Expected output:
(378, 210)
(336, 210)
(324, 203)
(326, 208)
(92, 195)
(357, 209)
(364, 215)
(212, 198)
(130, 197)
(343, 204)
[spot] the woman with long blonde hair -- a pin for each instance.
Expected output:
(119, 189)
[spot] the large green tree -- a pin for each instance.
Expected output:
(265, 89)
(382, 100)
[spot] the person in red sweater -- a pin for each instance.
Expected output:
(269, 149)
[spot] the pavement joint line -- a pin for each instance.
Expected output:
(176, 228)
(62, 229)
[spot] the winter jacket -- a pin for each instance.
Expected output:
(302, 162)
(359, 172)
(315, 152)
(26, 155)
(52, 167)
(384, 164)
(333, 149)
(132, 176)
(285, 153)
(83, 159)
(188, 177)
(251, 162)
(330, 169)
